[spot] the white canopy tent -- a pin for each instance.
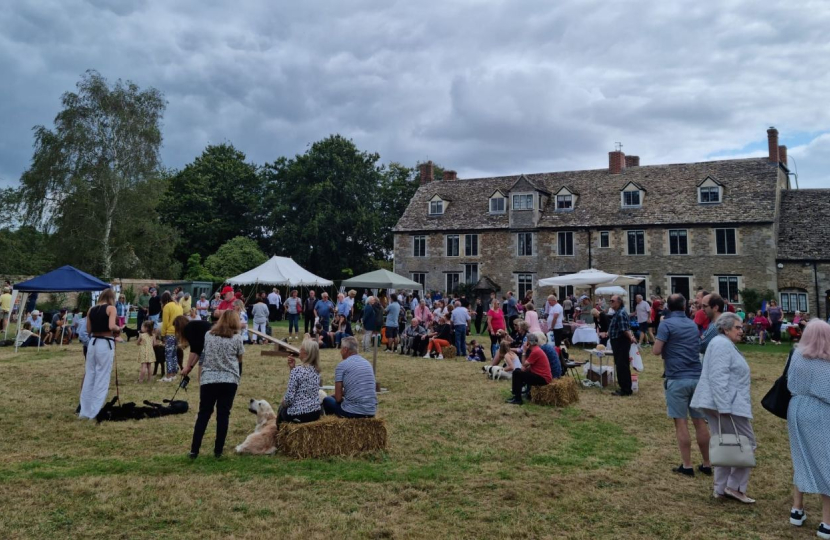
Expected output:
(280, 271)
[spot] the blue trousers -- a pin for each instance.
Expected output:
(293, 322)
(331, 406)
(461, 339)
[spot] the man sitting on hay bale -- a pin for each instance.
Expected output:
(535, 370)
(354, 385)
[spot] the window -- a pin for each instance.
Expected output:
(794, 301)
(452, 245)
(436, 207)
(725, 239)
(523, 202)
(566, 243)
(419, 246)
(497, 205)
(452, 282)
(681, 285)
(525, 245)
(631, 198)
(524, 284)
(565, 291)
(728, 288)
(678, 242)
(419, 277)
(605, 239)
(471, 245)
(636, 242)
(564, 202)
(709, 194)
(471, 273)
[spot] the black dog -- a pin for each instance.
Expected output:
(129, 411)
(161, 361)
(129, 332)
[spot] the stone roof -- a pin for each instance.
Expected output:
(670, 197)
(804, 231)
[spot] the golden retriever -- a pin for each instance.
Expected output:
(262, 442)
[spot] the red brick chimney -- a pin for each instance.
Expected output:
(632, 161)
(616, 162)
(427, 172)
(782, 154)
(772, 136)
(450, 175)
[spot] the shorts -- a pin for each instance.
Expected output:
(644, 326)
(679, 394)
(391, 332)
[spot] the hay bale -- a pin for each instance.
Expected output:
(559, 393)
(332, 436)
(449, 352)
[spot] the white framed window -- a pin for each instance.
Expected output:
(471, 273)
(564, 202)
(631, 198)
(524, 245)
(419, 246)
(524, 283)
(523, 201)
(452, 245)
(726, 243)
(419, 277)
(436, 207)
(708, 194)
(497, 205)
(728, 288)
(605, 239)
(453, 280)
(678, 242)
(792, 301)
(471, 245)
(566, 243)
(636, 242)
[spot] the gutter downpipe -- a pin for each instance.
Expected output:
(818, 296)
(589, 250)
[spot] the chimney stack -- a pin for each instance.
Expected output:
(616, 162)
(632, 161)
(427, 171)
(772, 136)
(782, 155)
(450, 175)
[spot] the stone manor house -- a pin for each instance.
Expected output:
(719, 225)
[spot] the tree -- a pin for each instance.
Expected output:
(323, 207)
(397, 186)
(25, 252)
(104, 147)
(212, 200)
(196, 271)
(237, 255)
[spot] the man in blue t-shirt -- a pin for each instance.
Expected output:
(323, 310)
(678, 343)
(355, 394)
(393, 312)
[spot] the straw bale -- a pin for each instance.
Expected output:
(332, 436)
(559, 393)
(449, 352)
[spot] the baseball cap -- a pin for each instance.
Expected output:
(226, 290)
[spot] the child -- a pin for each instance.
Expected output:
(146, 355)
(121, 311)
(761, 324)
(239, 306)
(476, 352)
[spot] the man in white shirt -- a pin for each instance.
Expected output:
(274, 302)
(643, 311)
(556, 316)
(203, 307)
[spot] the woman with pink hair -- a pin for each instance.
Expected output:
(808, 422)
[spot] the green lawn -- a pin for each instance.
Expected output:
(461, 463)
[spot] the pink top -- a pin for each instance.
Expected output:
(532, 320)
(497, 320)
(423, 314)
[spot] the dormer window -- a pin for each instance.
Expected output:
(498, 203)
(632, 196)
(436, 206)
(564, 202)
(523, 202)
(710, 191)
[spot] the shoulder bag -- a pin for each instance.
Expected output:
(777, 400)
(728, 450)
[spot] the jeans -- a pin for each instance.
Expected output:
(331, 406)
(338, 336)
(293, 323)
(155, 319)
(461, 339)
(219, 395)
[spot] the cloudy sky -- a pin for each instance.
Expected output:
(483, 87)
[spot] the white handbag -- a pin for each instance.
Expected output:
(731, 450)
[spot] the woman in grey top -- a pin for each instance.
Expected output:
(723, 392)
(293, 306)
(808, 421)
(221, 369)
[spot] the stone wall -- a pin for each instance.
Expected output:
(801, 277)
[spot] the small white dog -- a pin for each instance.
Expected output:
(262, 442)
(492, 372)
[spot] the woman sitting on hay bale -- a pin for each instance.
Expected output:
(507, 357)
(302, 397)
(535, 370)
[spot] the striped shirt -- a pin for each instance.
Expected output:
(620, 324)
(359, 396)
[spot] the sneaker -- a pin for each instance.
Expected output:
(166, 379)
(680, 469)
(823, 531)
(515, 401)
(705, 470)
(798, 517)
(440, 357)
(427, 356)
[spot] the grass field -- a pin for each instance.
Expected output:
(461, 463)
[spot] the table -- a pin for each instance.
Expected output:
(600, 355)
(584, 334)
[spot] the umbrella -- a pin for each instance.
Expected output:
(590, 278)
(610, 289)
